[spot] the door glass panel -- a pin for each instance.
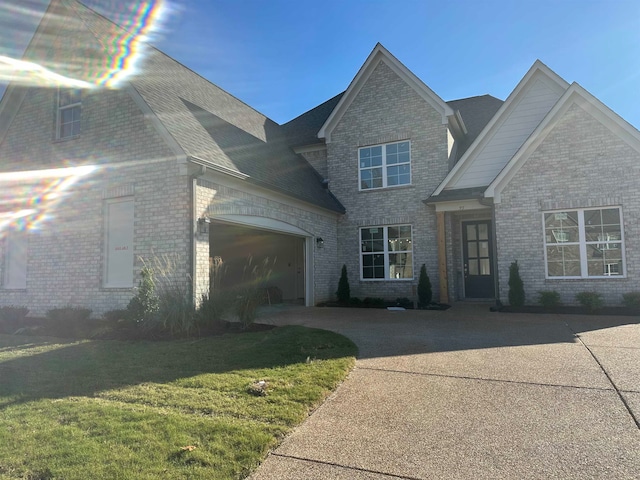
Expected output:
(473, 267)
(485, 269)
(483, 231)
(472, 248)
(484, 249)
(471, 232)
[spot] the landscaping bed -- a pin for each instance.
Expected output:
(571, 310)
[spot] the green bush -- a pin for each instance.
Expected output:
(424, 288)
(116, 315)
(516, 287)
(344, 291)
(68, 322)
(355, 302)
(631, 299)
(144, 306)
(404, 302)
(12, 318)
(213, 309)
(549, 298)
(592, 301)
(373, 302)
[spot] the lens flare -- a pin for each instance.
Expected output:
(29, 198)
(60, 57)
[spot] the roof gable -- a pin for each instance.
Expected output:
(521, 112)
(575, 95)
(381, 54)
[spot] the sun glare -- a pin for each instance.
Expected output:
(108, 65)
(29, 198)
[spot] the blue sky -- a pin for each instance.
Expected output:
(284, 57)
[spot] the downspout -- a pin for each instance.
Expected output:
(496, 278)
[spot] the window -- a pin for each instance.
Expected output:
(386, 253)
(69, 105)
(385, 165)
(119, 243)
(584, 243)
(15, 261)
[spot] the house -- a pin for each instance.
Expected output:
(383, 178)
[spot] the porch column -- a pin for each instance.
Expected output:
(442, 259)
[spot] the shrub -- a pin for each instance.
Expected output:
(355, 302)
(516, 287)
(145, 304)
(68, 321)
(12, 318)
(631, 299)
(115, 316)
(592, 301)
(344, 291)
(176, 312)
(549, 298)
(404, 302)
(424, 287)
(251, 292)
(213, 308)
(373, 302)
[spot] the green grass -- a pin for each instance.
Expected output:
(126, 410)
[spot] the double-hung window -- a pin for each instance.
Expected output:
(386, 165)
(69, 107)
(386, 253)
(584, 243)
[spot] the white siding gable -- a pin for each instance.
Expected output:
(535, 102)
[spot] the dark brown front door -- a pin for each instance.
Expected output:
(478, 259)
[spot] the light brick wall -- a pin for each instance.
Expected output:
(580, 164)
(318, 160)
(386, 110)
(66, 253)
(216, 199)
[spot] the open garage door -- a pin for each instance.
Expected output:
(244, 251)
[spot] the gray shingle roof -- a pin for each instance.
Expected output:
(213, 125)
(476, 113)
(303, 130)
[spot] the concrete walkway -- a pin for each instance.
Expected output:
(470, 394)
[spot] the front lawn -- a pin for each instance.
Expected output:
(149, 410)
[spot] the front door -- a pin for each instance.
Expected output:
(477, 253)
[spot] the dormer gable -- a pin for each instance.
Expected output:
(534, 96)
(575, 95)
(381, 54)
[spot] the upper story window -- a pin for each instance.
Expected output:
(386, 165)
(386, 253)
(584, 243)
(69, 106)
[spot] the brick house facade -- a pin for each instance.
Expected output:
(382, 178)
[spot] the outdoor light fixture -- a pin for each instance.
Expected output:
(319, 242)
(203, 225)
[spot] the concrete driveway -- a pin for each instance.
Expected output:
(471, 394)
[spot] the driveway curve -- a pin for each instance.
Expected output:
(467, 393)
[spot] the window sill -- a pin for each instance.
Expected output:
(391, 280)
(66, 139)
(385, 189)
(607, 277)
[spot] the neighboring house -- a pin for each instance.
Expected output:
(384, 177)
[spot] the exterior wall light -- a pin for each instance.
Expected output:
(203, 225)
(319, 242)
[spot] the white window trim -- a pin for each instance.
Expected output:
(59, 110)
(385, 240)
(384, 166)
(582, 243)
